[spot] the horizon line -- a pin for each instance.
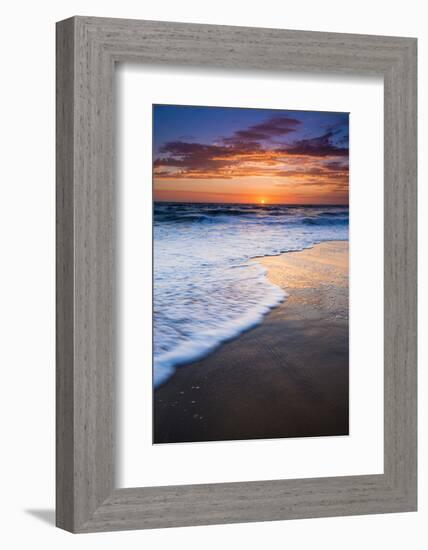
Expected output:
(254, 203)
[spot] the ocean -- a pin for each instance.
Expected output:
(206, 289)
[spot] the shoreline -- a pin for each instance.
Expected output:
(285, 377)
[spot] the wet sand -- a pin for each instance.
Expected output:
(287, 377)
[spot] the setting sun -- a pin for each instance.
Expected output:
(262, 201)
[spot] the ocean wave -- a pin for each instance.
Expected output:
(325, 221)
(207, 339)
(272, 218)
(206, 289)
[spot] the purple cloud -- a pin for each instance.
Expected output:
(273, 127)
(321, 146)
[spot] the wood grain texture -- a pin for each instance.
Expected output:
(87, 50)
(64, 277)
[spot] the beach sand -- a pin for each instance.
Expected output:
(287, 377)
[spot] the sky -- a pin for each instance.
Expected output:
(263, 156)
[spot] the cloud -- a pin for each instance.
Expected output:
(321, 146)
(193, 155)
(339, 166)
(250, 152)
(264, 131)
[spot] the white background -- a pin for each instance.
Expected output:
(362, 451)
(27, 272)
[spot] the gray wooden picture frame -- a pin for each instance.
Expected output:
(87, 50)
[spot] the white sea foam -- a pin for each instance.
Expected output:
(205, 289)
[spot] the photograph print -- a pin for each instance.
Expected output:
(250, 274)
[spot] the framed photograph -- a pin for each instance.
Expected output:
(253, 207)
(236, 274)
